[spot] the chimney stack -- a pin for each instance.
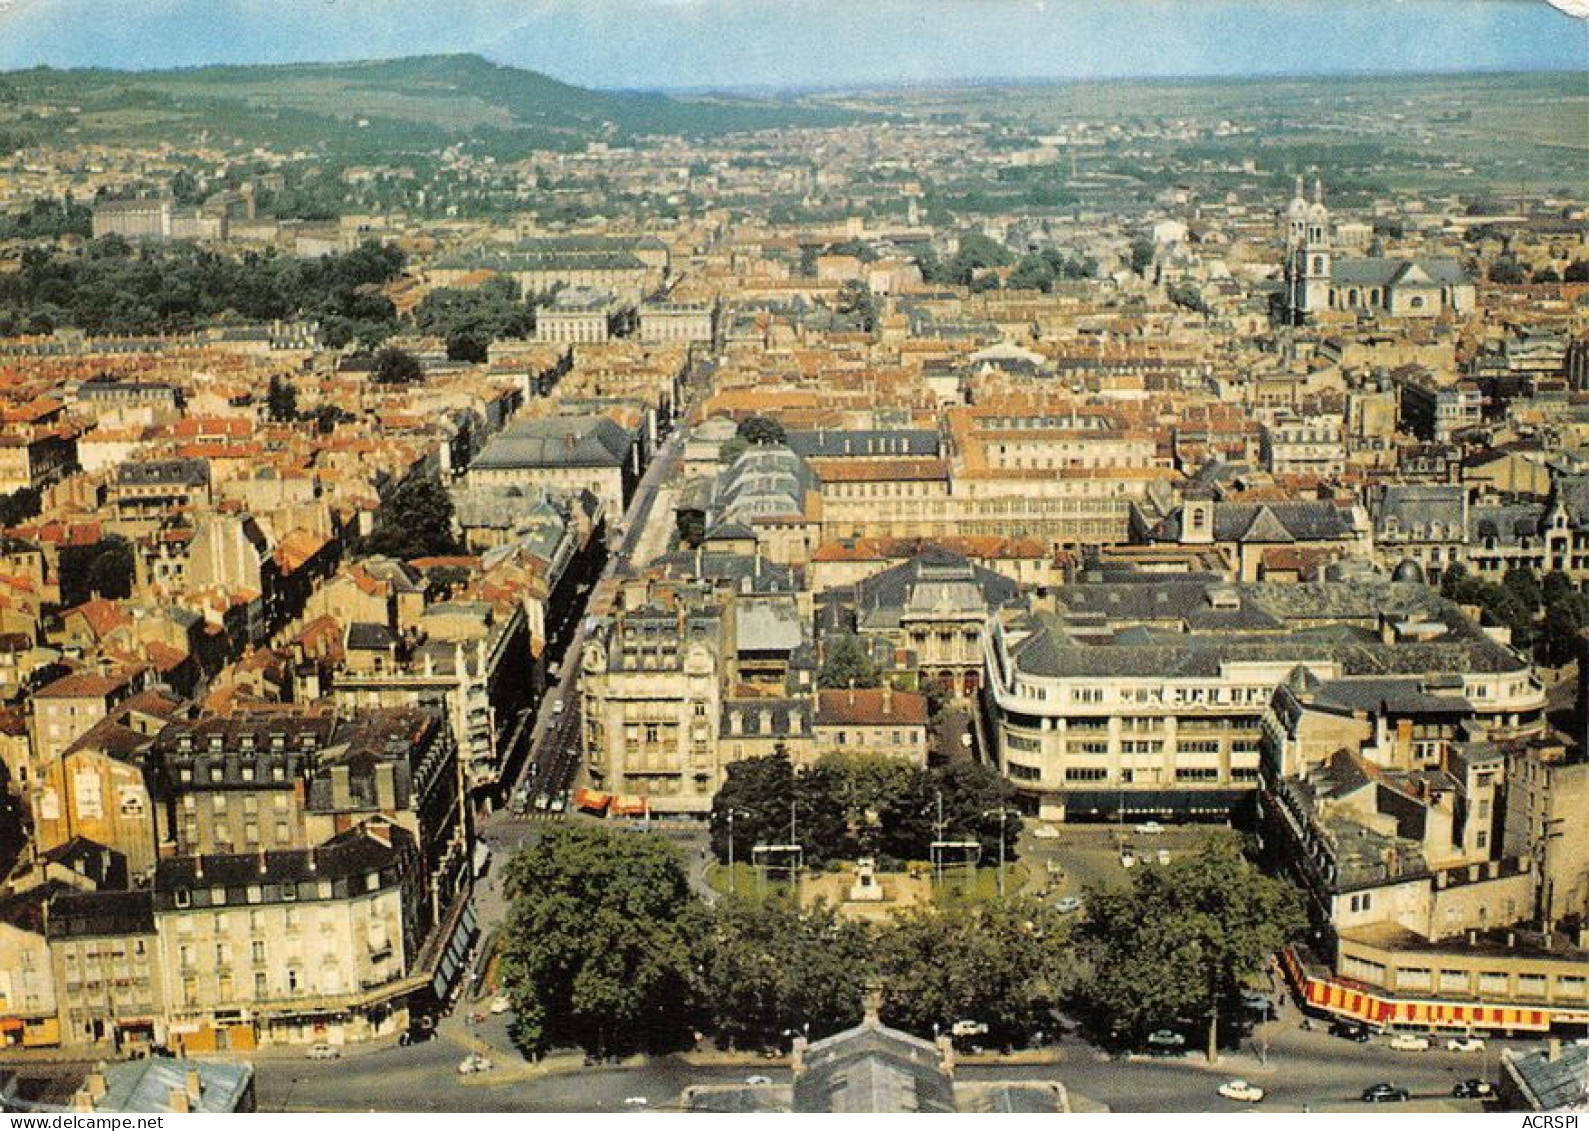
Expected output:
(386, 787)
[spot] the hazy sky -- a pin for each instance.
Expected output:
(703, 43)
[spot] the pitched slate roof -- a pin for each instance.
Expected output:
(1381, 272)
(1303, 520)
(871, 1068)
(575, 441)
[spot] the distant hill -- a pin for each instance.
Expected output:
(378, 106)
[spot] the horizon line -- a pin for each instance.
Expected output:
(946, 83)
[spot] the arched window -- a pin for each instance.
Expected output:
(1417, 302)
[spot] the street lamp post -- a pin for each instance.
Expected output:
(732, 887)
(1002, 813)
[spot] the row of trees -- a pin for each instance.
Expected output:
(114, 288)
(1041, 271)
(46, 218)
(470, 320)
(607, 948)
(847, 806)
(1511, 272)
(19, 506)
(1544, 616)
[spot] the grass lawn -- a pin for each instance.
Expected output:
(959, 885)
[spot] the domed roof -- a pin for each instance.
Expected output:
(1408, 570)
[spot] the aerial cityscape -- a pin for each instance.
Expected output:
(671, 556)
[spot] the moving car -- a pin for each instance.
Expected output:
(1163, 855)
(557, 706)
(1465, 1044)
(322, 1052)
(1473, 1089)
(1385, 1093)
(636, 1101)
(1166, 1039)
(758, 1081)
(968, 1028)
(1067, 904)
(501, 1003)
(1150, 828)
(1410, 1042)
(1351, 1031)
(1242, 1091)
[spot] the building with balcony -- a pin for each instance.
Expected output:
(1147, 694)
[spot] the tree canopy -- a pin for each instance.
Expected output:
(19, 506)
(1001, 963)
(846, 806)
(415, 521)
(848, 664)
(105, 568)
(767, 968)
(597, 945)
(761, 430)
(394, 366)
(281, 400)
(1181, 942)
(115, 288)
(471, 319)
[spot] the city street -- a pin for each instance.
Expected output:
(1305, 1070)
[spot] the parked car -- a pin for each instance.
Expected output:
(636, 1101)
(1384, 1094)
(1465, 1044)
(557, 706)
(1351, 1031)
(1242, 1091)
(323, 1052)
(1150, 828)
(541, 802)
(1473, 1089)
(1257, 1002)
(1163, 855)
(1128, 858)
(558, 804)
(968, 1028)
(1166, 1039)
(758, 1081)
(501, 1003)
(1410, 1042)
(1066, 904)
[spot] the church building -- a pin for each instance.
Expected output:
(1318, 284)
